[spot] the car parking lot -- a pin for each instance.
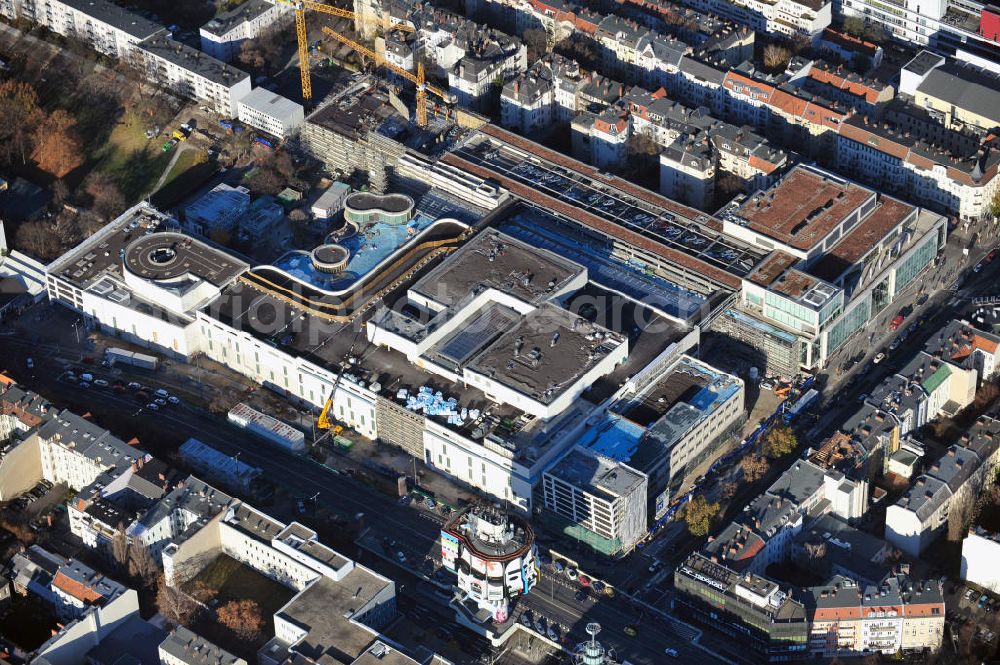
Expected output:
(104, 378)
(665, 227)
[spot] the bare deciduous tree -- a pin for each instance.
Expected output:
(754, 467)
(243, 617)
(119, 547)
(20, 116)
(57, 146)
(776, 57)
(176, 606)
(960, 514)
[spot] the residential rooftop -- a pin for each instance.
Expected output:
(248, 11)
(328, 612)
(118, 17)
(90, 440)
(271, 103)
(186, 646)
(193, 60)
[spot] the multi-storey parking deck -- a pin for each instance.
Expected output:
(541, 176)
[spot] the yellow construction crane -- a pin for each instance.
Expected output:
(303, 36)
(423, 87)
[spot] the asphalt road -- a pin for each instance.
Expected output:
(414, 529)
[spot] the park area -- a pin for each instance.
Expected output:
(87, 131)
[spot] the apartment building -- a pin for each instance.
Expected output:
(185, 647)
(979, 556)
(270, 112)
(961, 345)
(924, 389)
(103, 25)
(787, 18)
(962, 30)
(543, 95)
(709, 143)
(851, 619)
(95, 610)
(472, 57)
(921, 514)
(836, 82)
(945, 171)
(601, 139)
(103, 509)
(764, 534)
(687, 171)
(193, 74)
(597, 500)
(225, 33)
(70, 587)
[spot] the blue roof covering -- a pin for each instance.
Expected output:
(614, 437)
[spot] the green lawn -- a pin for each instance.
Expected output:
(186, 160)
(234, 581)
(132, 160)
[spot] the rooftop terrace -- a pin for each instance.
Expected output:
(802, 209)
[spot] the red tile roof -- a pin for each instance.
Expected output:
(76, 589)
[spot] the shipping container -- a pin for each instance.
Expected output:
(123, 357)
(268, 428)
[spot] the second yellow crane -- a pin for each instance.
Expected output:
(302, 34)
(423, 87)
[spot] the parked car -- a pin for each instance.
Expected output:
(30, 362)
(671, 652)
(572, 573)
(153, 406)
(161, 393)
(102, 383)
(879, 357)
(173, 400)
(134, 386)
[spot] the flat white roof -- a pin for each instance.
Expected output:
(272, 104)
